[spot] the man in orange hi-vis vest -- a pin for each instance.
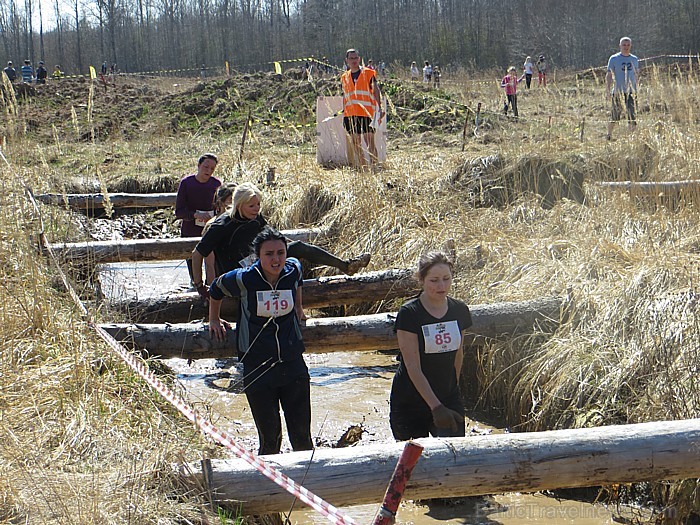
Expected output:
(362, 109)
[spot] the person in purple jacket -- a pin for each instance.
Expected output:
(195, 203)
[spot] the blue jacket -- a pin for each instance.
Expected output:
(27, 73)
(268, 330)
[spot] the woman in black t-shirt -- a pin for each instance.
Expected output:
(425, 397)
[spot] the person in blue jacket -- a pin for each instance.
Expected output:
(27, 72)
(269, 340)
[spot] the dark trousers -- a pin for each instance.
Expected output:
(315, 255)
(513, 103)
(416, 421)
(295, 400)
(528, 79)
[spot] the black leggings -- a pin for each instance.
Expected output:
(295, 400)
(315, 255)
(513, 102)
(416, 420)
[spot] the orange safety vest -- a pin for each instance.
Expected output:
(357, 96)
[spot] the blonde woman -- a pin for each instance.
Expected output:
(230, 238)
(528, 68)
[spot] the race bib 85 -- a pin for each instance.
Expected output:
(442, 337)
(274, 303)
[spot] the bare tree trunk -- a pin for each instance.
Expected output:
(79, 51)
(59, 32)
(41, 33)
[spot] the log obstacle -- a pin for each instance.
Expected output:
(317, 293)
(148, 249)
(340, 334)
(96, 201)
(469, 466)
(667, 189)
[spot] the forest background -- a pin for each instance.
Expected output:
(149, 35)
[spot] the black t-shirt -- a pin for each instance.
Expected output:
(230, 238)
(438, 342)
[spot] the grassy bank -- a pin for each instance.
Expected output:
(84, 441)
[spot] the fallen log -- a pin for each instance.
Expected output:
(654, 189)
(96, 201)
(339, 334)
(317, 293)
(147, 249)
(469, 466)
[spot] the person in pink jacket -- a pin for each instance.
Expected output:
(510, 84)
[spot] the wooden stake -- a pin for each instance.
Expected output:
(464, 129)
(245, 134)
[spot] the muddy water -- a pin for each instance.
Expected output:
(352, 389)
(349, 396)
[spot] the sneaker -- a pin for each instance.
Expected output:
(356, 263)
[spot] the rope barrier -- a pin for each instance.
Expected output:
(327, 510)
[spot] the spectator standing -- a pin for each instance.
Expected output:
(436, 76)
(361, 101)
(542, 71)
(528, 68)
(103, 69)
(415, 72)
(57, 73)
(621, 82)
(10, 72)
(510, 84)
(427, 72)
(27, 72)
(41, 73)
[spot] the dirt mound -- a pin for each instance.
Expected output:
(126, 106)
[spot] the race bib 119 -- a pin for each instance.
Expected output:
(442, 337)
(275, 303)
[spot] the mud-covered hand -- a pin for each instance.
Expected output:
(203, 291)
(444, 417)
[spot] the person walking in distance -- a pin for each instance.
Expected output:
(510, 84)
(41, 73)
(27, 72)
(361, 101)
(542, 71)
(621, 82)
(528, 68)
(10, 72)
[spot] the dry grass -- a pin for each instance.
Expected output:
(83, 444)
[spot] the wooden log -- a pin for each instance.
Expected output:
(338, 334)
(469, 466)
(147, 249)
(654, 189)
(317, 293)
(96, 201)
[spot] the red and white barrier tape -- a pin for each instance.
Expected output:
(306, 496)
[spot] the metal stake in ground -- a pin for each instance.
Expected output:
(397, 484)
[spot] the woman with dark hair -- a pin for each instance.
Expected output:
(425, 397)
(269, 340)
(194, 205)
